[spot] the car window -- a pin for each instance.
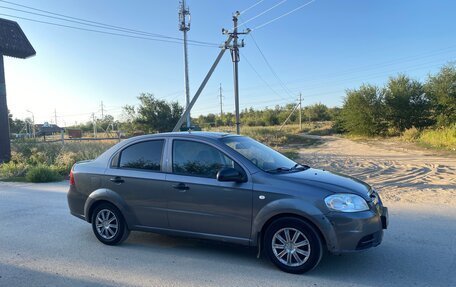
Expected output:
(198, 159)
(144, 155)
(260, 155)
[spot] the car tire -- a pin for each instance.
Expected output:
(293, 245)
(109, 225)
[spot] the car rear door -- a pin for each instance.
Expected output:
(136, 176)
(198, 202)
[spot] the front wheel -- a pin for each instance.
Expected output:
(293, 245)
(108, 224)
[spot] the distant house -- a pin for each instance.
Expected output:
(47, 129)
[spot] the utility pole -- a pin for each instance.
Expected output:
(224, 47)
(102, 110)
(94, 125)
(221, 101)
(300, 112)
(55, 116)
(235, 58)
(184, 26)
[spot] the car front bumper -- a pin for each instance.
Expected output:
(358, 230)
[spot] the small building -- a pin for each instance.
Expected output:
(47, 129)
(74, 133)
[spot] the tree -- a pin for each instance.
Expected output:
(441, 89)
(406, 104)
(317, 112)
(362, 111)
(153, 115)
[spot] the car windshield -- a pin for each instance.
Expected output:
(262, 156)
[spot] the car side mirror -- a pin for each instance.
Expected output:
(230, 174)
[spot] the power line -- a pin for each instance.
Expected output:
(286, 89)
(247, 9)
(283, 15)
(94, 23)
(262, 13)
(101, 32)
(260, 77)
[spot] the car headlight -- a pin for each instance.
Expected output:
(346, 202)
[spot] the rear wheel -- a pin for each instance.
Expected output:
(293, 245)
(109, 225)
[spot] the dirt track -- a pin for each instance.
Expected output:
(399, 172)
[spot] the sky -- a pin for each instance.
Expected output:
(320, 50)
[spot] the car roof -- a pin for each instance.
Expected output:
(189, 134)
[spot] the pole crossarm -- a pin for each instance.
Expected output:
(224, 47)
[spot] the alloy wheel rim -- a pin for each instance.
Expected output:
(291, 247)
(106, 224)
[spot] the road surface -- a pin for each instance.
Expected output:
(41, 244)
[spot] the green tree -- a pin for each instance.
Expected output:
(441, 89)
(406, 104)
(152, 115)
(362, 111)
(317, 112)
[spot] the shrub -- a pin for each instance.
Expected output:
(410, 135)
(440, 138)
(42, 173)
(13, 169)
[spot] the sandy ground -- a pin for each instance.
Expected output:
(398, 171)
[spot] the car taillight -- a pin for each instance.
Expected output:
(72, 178)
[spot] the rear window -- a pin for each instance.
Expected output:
(144, 155)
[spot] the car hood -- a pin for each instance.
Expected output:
(331, 181)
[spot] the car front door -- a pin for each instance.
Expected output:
(136, 176)
(198, 202)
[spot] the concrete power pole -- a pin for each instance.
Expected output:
(221, 101)
(102, 110)
(300, 112)
(94, 125)
(184, 26)
(235, 58)
(55, 116)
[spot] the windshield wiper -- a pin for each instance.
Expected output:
(279, 169)
(299, 166)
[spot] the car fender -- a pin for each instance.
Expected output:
(109, 196)
(297, 207)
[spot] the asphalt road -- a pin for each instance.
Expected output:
(41, 244)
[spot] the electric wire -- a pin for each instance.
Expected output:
(281, 16)
(254, 5)
(260, 77)
(101, 32)
(262, 13)
(81, 21)
(285, 88)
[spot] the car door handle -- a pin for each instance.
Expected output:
(117, 179)
(181, 187)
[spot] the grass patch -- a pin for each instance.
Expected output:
(42, 173)
(442, 138)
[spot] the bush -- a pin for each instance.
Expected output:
(440, 138)
(42, 173)
(12, 170)
(410, 135)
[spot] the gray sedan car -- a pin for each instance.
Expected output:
(229, 188)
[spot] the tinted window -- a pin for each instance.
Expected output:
(198, 159)
(144, 155)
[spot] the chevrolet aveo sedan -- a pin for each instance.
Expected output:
(229, 188)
